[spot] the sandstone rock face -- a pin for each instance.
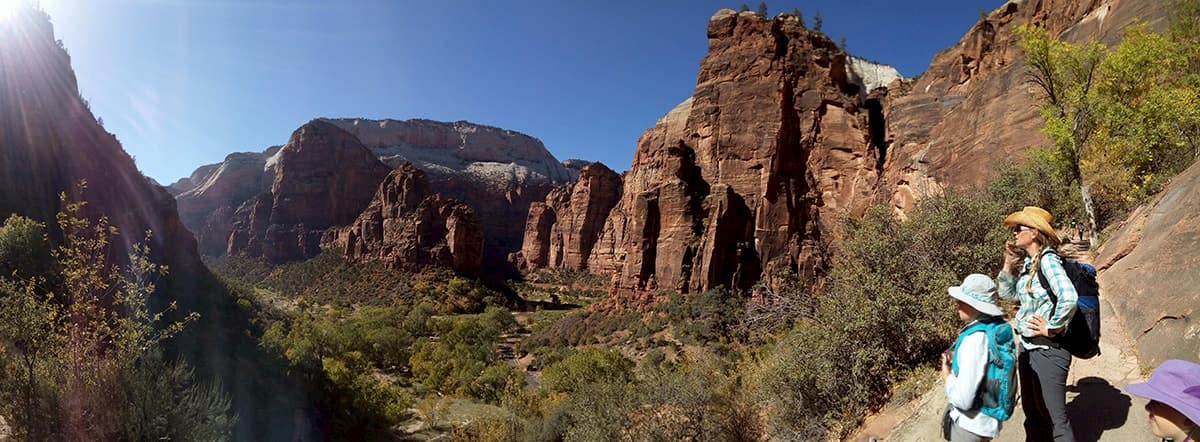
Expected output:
(497, 172)
(408, 227)
(574, 166)
(208, 200)
(321, 177)
(50, 141)
(744, 176)
(974, 107)
(561, 232)
(1149, 270)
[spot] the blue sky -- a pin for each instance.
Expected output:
(183, 83)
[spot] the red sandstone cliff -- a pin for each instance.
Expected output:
(561, 232)
(497, 172)
(974, 107)
(408, 227)
(320, 181)
(746, 175)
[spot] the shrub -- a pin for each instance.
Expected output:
(884, 310)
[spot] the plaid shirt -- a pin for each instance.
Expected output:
(1036, 301)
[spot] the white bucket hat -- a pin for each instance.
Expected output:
(978, 291)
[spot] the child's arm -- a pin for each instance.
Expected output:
(971, 357)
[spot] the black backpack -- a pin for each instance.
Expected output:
(1082, 338)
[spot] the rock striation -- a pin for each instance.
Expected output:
(319, 181)
(973, 108)
(1149, 271)
(560, 232)
(408, 227)
(743, 177)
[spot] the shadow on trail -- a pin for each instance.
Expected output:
(1099, 407)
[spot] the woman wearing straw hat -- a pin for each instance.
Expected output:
(1174, 394)
(972, 417)
(1042, 364)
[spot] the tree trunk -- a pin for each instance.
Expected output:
(1090, 208)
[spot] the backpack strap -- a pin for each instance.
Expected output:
(1046, 283)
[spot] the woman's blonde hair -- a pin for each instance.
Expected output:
(1036, 266)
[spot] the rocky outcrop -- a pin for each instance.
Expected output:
(497, 172)
(408, 227)
(561, 232)
(321, 177)
(1149, 270)
(973, 108)
(574, 166)
(208, 199)
(746, 175)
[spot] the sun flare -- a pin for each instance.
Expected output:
(8, 8)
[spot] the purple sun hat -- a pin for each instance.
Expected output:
(1175, 383)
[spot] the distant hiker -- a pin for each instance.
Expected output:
(1042, 363)
(1174, 393)
(979, 369)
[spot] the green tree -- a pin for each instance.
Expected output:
(590, 365)
(1122, 120)
(24, 252)
(762, 9)
(32, 334)
(81, 355)
(817, 22)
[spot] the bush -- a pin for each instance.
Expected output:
(885, 309)
(591, 365)
(24, 252)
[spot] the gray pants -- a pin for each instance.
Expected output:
(954, 433)
(1043, 374)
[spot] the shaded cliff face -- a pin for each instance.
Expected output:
(746, 175)
(322, 178)
(561, 232)
(50, 141)
(974, 107)
(408, 227)
(1149, 270)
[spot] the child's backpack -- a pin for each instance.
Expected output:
(1082, 338)
(997, 395)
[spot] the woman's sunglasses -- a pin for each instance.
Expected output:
(1019, 228)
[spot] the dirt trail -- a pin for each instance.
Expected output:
(1097, 403)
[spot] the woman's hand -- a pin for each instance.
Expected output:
(946, 359)
(1011, 259)
(1041, 327)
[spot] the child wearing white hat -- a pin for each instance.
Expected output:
(979, 370)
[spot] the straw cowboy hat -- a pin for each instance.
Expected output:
(1035, 217)
(979, 292)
